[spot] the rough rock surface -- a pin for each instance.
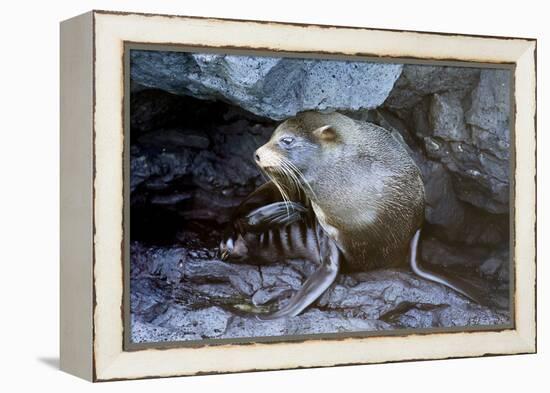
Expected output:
(418, 81)
(267, 86)
(195, 123)
(461, 118)
(179, 294)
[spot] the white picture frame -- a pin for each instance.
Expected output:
(92, 194)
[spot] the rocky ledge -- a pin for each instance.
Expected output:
(182, 294)
(271, 87)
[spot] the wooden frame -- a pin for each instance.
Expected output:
(92, 152)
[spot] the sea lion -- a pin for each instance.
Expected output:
(362, 192)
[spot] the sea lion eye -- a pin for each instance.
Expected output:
(286, 141)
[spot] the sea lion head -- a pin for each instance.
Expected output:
(299, 146)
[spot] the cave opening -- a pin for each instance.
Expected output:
(191, 165)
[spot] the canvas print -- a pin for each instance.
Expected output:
(279, 197)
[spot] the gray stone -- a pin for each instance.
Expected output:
(479, 177)
(418, 81)
(497, 266)
(462, 117)
(490, 110)
(156, 169)
(277, 88)
(447, 117)
(214, 299)
(171, 199)
(442, 206)
(208, 322)
(439, 253)
(455, 220)
(143, 332)
(467, 129)
(166, 263)
(491, 266)
(489, 117)
(174, 138)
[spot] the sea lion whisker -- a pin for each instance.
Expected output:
(264, 175)
(299, 173)
(274, 180)
(298, 178)
(288, 185)
(284, 171)
(281, 189)
(292, 176)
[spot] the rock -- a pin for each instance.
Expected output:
(489, 118)
(196, 174)
(208, 298)
(450, 218)
(439, 253)
(497, 266)
(156, 169)
(175, 138)
(143, 332)
(491, 266)
(209, 322)
(418, 81)
(442, 206)
(489, 114)
(447, 117)
(276, 88)
(166, 263)
(171, 199)
(313, 321)
(153, 109)
(461, 115)
(147, 299)
(479, 178)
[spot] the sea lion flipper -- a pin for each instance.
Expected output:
(266, 194)
(314, 286)
(259, 220)
(274, 214)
